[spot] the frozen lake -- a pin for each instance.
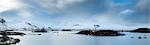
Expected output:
(70, 38)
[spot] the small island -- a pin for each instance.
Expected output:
(66, 29)
(100, 33)
(43, 30)
(141, 30)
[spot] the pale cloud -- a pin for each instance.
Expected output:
(51, 5)
(126, 12)
(109, 18)
(64, 3)
(16, 5)
(9, 5)
(25, 13)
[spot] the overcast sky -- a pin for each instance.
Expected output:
(109, 14)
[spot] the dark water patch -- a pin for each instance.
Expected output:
(132, 37)
(145, 37)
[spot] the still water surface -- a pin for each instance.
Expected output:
(70, 38)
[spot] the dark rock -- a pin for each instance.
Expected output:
(66, 29)
(39, 34)
(139, 37)
(5, 40)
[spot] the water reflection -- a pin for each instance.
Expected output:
(70, 38)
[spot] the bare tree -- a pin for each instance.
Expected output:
(96, 26)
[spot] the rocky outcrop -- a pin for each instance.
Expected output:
(4, 40)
